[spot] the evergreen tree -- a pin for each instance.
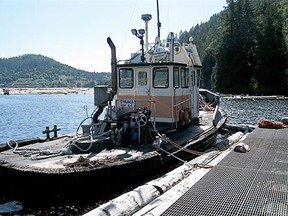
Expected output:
(235, 57)
(208, 64)
(272, 52)
(223, 77)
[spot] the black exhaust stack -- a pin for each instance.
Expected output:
(113, 65)
(103, 96)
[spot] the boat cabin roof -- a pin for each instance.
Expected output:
(157, 64)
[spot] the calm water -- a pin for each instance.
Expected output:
(25, 116)
(250, 111)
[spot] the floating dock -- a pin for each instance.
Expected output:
(253, 183)
(233, 183)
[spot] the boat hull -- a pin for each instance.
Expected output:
(40, 176)
(95, 180)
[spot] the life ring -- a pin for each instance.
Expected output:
(185, 116)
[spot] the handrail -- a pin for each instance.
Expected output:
(182, 102)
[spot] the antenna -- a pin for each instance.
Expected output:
(146, 18)
(158, 21)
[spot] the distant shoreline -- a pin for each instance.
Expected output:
(13, 91)
(255, 97)
(65, 90)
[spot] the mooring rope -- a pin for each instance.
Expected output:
(184, 148)
(33, 152)
(22, 151)
(177, 145)
(172, 155)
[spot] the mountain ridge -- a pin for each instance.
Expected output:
(35, 70)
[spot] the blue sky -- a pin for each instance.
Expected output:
(74, 32)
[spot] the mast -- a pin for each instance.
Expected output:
(158, 20)
(146, 18)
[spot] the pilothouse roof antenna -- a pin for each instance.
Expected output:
(146, 18)
(158, 20)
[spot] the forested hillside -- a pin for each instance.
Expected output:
(244, 48)
(40, 71)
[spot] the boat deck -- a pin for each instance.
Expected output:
(28, 157)
(252, 183)
(50, 165)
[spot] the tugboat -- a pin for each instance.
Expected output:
(154, 115)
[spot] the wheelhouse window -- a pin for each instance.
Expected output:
(161, 77)
(198, 77)
(193, 78)
(184, 77)
(176, 77)
(126, 78)
(142, 78)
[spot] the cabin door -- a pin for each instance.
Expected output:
(142, 83)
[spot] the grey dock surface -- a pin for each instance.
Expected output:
(253, 183)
